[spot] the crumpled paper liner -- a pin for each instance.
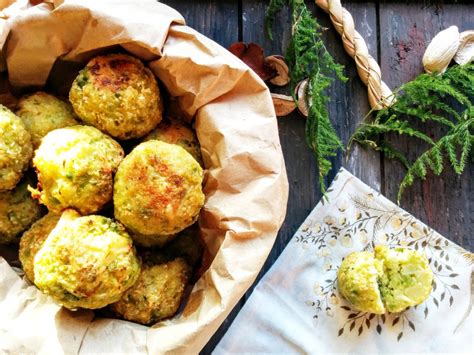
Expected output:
(246, 185)
(24, 309)
(296, 307)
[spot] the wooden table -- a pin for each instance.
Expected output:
(397, 34)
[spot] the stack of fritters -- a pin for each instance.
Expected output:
(77, 253)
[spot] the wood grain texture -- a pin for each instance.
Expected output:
(216, 19)
(445, 203)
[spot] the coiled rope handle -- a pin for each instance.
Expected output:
(368, 69)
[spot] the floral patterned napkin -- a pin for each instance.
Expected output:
(296, 307)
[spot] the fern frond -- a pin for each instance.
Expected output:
(399, 127)
(441, 86)
(462, 78)
(433, 157)
(425, 116)
(320, 134)
(445, 100)
(460, 139)
(307, 57)
(386, 148)
(428, 97)
(274, 7)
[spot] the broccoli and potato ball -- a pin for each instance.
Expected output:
(18, 210)
(157, 191)
(156, 295)
(406, 279)
(177, 132)
(117, 94)
(357, 281)
(16, 149)
(86, 262)
(75, 167)
(42, 113)
(32, 241)
(388, 280)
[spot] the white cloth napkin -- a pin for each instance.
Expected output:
(296, 307)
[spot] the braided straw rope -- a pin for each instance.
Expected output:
(380, 94)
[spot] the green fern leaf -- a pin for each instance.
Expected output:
(432, 158)
(274, 7)
(307, 57)
(386, 148)
(445, 100)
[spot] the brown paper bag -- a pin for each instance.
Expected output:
(246, 186)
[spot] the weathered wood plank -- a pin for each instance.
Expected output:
(216, 19)
(445, 203)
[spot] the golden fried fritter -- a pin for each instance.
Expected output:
(42, 113)
(406, 280)
(119, 95)
(156, 295)
(389, 280)
(357, 280)
(177, 132)
(158, 190)
(75, 168)
(33, 239)
(86, 262)
(18, 210)
(16, 149)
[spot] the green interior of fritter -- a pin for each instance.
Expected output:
(386, 280)
(406, 278)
